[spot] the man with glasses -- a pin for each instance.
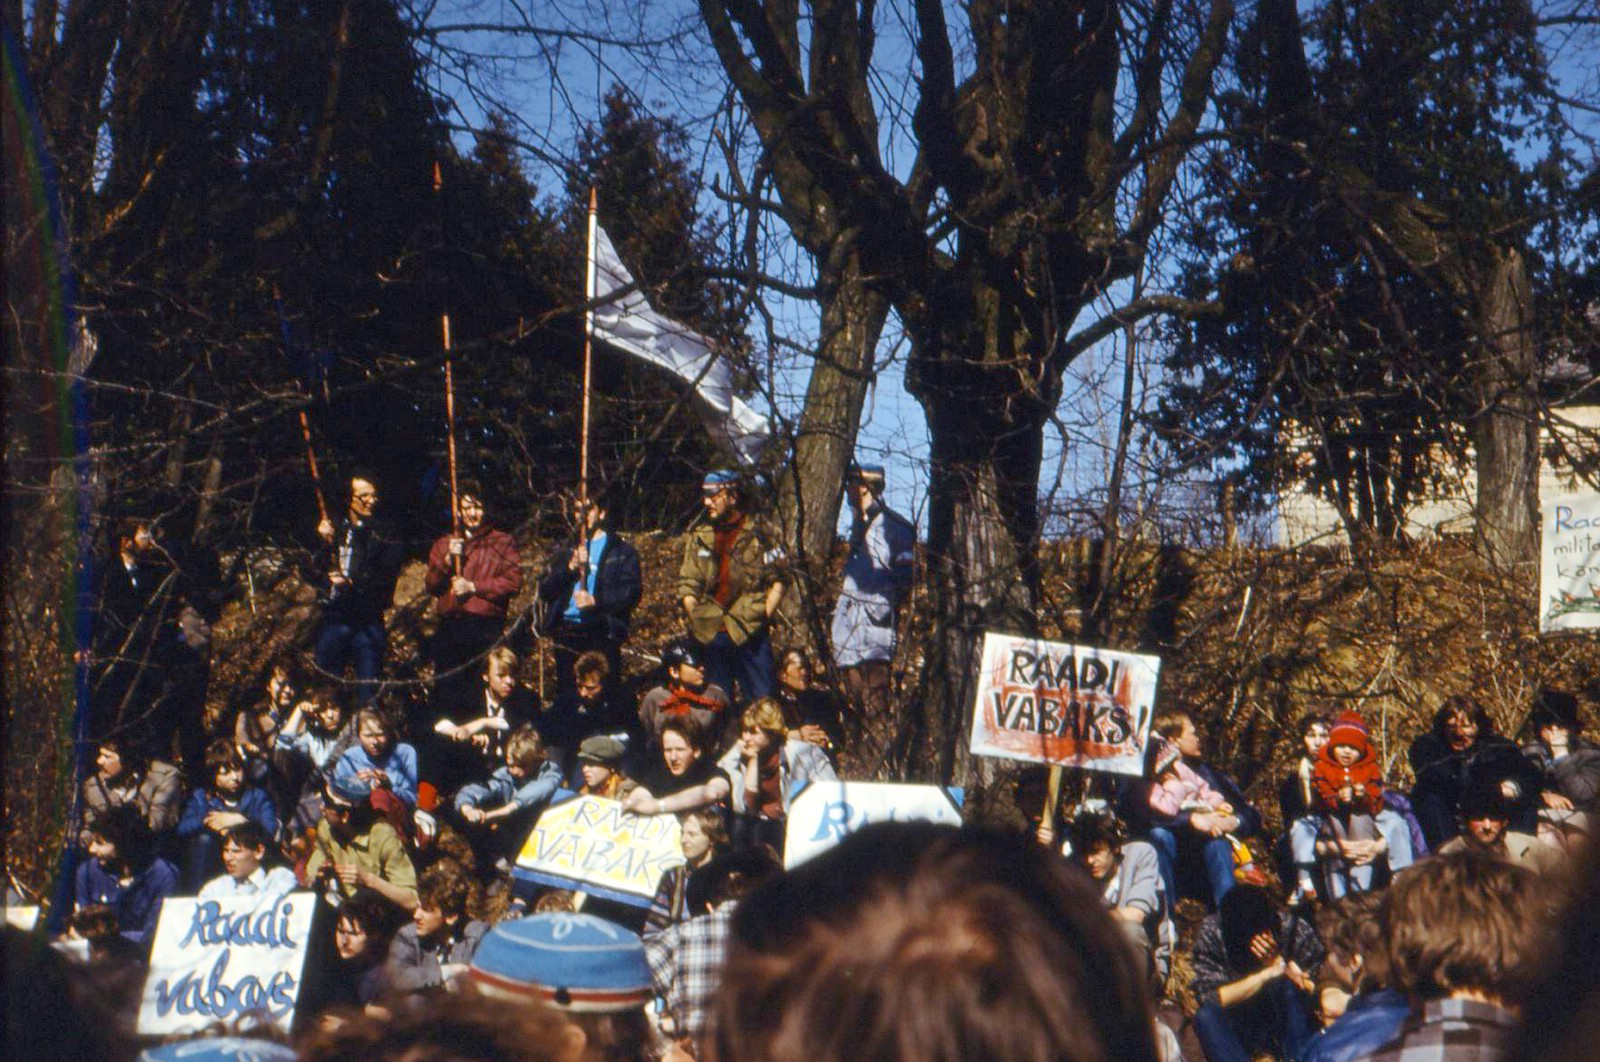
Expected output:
(355, 574)
(730, 585)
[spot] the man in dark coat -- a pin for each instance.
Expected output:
(153, 610)
(1464, 752)
(355, 575)
(589, 592)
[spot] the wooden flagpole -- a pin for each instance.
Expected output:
(588, 368)
(1052, 797)
(311, 462)
(449, 412)
(305, 423)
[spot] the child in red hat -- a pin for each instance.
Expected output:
(1346, 777)
(1348, 787)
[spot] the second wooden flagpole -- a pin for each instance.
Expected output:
(588, 368)
(449, 413)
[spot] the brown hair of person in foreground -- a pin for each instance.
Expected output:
(464, 1027)
(1466, 925)
(929, 943)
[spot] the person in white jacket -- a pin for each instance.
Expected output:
(877, 577)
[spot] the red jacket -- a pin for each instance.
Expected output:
(1328, 777)
(490, 561)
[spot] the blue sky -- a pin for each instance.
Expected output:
(555, 80)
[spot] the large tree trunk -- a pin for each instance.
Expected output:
(809, 492)
(982, 575)
(986, 440)
(1505, 430)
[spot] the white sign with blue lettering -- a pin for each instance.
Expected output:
(226, 959)
(824, 813)
(1569, 575)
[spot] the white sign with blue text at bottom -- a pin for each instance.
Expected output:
(223, 960)
(1569, 569)
(824, 813)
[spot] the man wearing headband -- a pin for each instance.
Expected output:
(877, 575)
(730, 584)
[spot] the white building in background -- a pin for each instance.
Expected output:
(1305, 518)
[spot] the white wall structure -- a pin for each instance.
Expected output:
(1304, 518)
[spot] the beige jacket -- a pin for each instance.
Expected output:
(756, 563)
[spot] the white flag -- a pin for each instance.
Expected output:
(631, 323)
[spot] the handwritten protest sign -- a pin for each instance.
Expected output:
(1569, 568)
(1049, 702)
(589, 843)
(219, 960)
(824, 813)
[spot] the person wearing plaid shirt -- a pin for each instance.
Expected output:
(1464, 940)
(686, 959)
(686, 964)
(1454, 1030)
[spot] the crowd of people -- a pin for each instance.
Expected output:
(1374, 923)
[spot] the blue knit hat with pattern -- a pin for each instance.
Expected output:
(219, 1049)
(575, 962)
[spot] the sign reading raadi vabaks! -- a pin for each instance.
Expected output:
(590, 844)
(1569, 563)
(1050, 702)
(228, 960)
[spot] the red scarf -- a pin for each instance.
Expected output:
(683, 700)
(722, 544)
(769, 794)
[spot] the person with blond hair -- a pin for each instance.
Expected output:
(702, 835)
(684, 778)
(469, 739)
(763, 766)
(498, 813)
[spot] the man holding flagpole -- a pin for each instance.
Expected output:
(355, 578)
(730, 585)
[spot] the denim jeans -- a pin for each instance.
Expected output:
(1187, 844)
(339, 644)
(1276, 1020)
(750, 664)
(1391, 826)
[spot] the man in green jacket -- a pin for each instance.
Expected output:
(730, 583)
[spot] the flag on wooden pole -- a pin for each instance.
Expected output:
(629, 322)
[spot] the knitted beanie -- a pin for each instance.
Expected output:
(1163, 755)
(575, 962)
(219, 1049)
(1349, 729)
